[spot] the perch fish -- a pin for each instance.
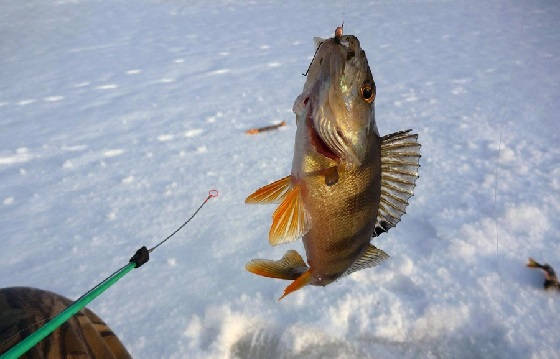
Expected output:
(347, 184)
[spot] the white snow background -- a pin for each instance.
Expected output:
(117, 117)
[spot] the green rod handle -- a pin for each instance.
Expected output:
(22, 347)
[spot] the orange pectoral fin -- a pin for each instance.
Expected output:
(289, 221)
(271, 193)
(303, 280)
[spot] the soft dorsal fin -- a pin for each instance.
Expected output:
(271, 193)
(290, 266)
(289, 221)
(371, 257)
(400, 156)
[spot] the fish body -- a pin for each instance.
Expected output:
(342, 209)
(339, 187)
(347, 184)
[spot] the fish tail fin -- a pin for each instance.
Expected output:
(301, 281)
(533, 264)
(274, 192)
(289, 267)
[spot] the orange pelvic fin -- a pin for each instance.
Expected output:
(303, 280)
(271, 193)
(290, 267)
(289, 221)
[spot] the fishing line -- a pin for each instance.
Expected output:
(213, 193)
(311, 63)
(140, 257)
(344, 6)
(495, 202)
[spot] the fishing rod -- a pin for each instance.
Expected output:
(139, 258)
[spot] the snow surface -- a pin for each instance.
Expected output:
(117, 117)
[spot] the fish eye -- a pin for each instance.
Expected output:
(367, 91)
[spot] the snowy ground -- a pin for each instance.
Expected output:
(117, 117)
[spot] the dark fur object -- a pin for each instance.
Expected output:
(24, 310)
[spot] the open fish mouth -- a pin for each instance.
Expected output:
(316, 140)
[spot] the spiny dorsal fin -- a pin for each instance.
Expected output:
(290, 266)
(400, 155)
(371, 257)
(271, 193)
(289, 221)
